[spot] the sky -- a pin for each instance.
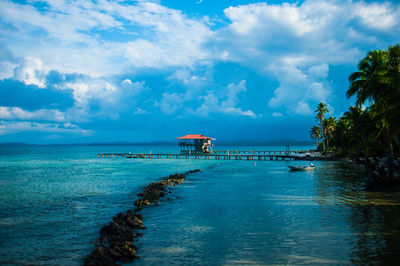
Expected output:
(141, 71)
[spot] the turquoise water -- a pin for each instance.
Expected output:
(53, 200)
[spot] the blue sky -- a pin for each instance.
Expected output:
(102, 71)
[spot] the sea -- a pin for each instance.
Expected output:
(54, 200)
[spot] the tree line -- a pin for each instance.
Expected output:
(369, 131)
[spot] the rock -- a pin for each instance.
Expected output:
(120, 236)
(128, 251)
(115, 254)
(101, 256)
(134, 222)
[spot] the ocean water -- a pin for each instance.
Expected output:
(54, 200)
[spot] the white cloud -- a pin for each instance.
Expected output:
(247, 19)
(140, 111)
(188, 77)
(171, 102)
(7, 63)
(212, 104)
(82, 17)
(233, 94)
(100, 97)
(379, 16)
(9, 127)
(86, 89)
(307, 34)
(317, 92)
(303, 108)
(6, 69)
(30, 72)
(69, 42)
(16, 113)
(299, 88)
(238, 111)
(296, 43)
(222, 101)
(276, 114)
(131, 89)
(319, 71)
(127, 82)
(292, 84)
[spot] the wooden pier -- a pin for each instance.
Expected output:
(256, 152)
(254, 156)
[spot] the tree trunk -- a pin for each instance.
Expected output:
(389, 150)
(327, 142)
(322, 135)
(397, 141)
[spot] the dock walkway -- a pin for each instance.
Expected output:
(220, 155)
(260, 152)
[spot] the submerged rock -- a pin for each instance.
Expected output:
(156, 190)
(101, 256)
(119, 232)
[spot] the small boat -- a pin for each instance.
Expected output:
(302, 168)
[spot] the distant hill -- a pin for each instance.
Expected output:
(155, 143)
(282, 142)
(14, 144)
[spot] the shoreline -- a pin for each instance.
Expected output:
(127, 226)
(377, 176)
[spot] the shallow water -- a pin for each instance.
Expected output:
(53, 200)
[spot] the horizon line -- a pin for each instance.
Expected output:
(168, 143)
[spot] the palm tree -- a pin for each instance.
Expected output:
(364, 131)
(394, 66)
(378, 81)
(341, 137)
(321, 110)
(391, 101)
(368, 82)
(329, 126)
(315, 133)
(356, 133)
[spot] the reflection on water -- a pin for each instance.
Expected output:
(239, 214)
(374, 217)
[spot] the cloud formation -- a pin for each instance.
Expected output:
(228, 105)
(120, 62)
(297, 43)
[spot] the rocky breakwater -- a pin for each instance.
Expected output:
(126, 226)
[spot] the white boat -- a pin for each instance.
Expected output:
(302, 168)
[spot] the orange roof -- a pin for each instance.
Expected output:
(198, 136)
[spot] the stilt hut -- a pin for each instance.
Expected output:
(191, 144)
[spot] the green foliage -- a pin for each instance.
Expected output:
(356, 133)
(320, 111)
(369, 131)
(315, 133)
